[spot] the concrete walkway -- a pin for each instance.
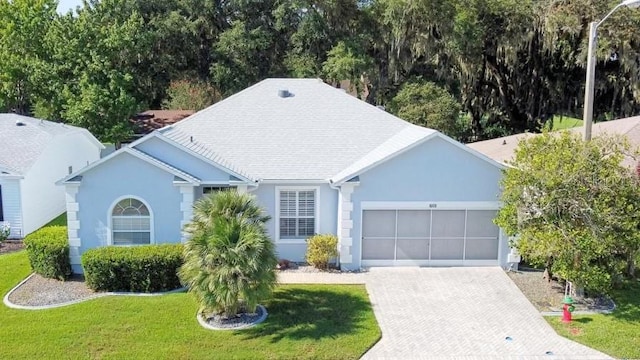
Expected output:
(465, 313)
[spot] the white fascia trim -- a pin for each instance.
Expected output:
(430, 205)
(473, 152)
(110, 220)
(435, 134)
(352, 174)
(278, 189)
(221, 167)
(133, 152)
(92, 138)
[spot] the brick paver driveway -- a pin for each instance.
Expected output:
(462, 313)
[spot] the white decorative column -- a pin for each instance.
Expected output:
(242, 189)
(73, 223)
(186, 206)
(345, 222)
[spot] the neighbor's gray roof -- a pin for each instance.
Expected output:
(316, 133)
(22, 145)
(503, 149)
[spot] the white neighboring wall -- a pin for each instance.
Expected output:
(42, 199)
(11, 205)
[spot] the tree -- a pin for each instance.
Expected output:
(574, 207)
(229, 259)
(347, 62)
(190, 95)
(426, 104)
(242, 57)
(23, 25)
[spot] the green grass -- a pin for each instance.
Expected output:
(61, 220)
(565, 122)
(305, 321)
(616, 334)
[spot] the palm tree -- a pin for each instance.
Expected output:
(229, 260)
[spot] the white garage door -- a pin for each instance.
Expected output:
(429, 237)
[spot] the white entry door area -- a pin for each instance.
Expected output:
(448, 237)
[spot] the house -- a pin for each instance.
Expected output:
(318, 160)
(35, 154)
(150, 120)
(503, 149)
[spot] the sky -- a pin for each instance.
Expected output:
(66, 5)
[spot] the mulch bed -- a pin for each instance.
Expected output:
(548, 295)
(9, 246)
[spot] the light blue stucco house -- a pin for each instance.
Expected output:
(319, 161)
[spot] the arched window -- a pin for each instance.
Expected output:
(130, 223)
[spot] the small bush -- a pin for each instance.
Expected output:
(321, 249)
(148, 268)
(48, 251)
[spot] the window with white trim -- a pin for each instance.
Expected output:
(130, 223)
(297, 214)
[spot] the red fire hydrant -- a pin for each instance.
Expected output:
(567, 309)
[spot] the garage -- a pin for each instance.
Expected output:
(429, 237)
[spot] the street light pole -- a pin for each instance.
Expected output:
(591, 68)
(589, 85)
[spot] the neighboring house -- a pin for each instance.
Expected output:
(319, 161)
(150, 120)
(503, 149)
(34, 155)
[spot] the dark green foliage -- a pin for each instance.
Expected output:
(230, 260)
(148, 268)
(48, 250)
(509, 64)
(426, 104)
(321, 249)
(574, 208)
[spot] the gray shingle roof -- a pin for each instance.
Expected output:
(22, 145)
(315, 133)
(503, 149)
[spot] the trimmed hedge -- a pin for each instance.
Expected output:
(148, 268)
(48, 251)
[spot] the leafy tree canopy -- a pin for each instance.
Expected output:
(574, 208)
(190, 95)
(426, 104)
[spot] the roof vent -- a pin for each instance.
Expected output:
(283, 93)
(20, 123)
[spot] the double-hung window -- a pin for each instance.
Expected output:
(297, 213)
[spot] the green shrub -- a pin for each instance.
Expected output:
(148, 268)
(321, 249)
(48, 251)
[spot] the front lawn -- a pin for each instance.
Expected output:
(305, 321)
(616, 334)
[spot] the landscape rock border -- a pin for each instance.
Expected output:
(12, 305)
(238, 326)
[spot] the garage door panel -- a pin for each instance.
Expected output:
(481, 249)
(413, 249)
(427, 236)
(480, 224)
(448, 224)
(378, 249)
(414, 223)
(379, 223)
(447, 249)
